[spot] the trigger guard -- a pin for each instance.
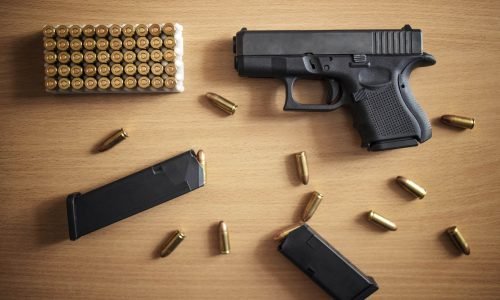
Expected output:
(334, 93)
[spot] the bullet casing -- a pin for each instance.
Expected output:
(90, 70)
(49, 44)
(104, 83)
(115, 44)
(284, 232)
(141, 30)
(62, 31)
(458, 121)
(117, 82)
(62, 44)
(76, 57)
(50, 57)
(169, 42)
(115, 30)
(458, 239)
(143, 82)
(63, 70)
(117, 70)
(101, 31)
(157, 82)
(222, 103)
(51, 71)
(411, 187)
(142, 42)
(143, 69)
(170, 69)
(63, 57)
(130, 82)
(382, 221)
(50, 83)
(116, 57)
(157, 69)
(302, 167)
(154, 29)
(175, 239)
(76, 71)
(143, 56)
(49, 31)
(64, 83)
(103, 70)
(75, 31)
(203, 162)
(76, 44)
(89, 57)
(312, 205)
(89, 43)
(169, 29)
(224, 246)
(88, 30)
(156, 42)
(114, 139)
(169, 55)
(156, 55)
(77, 83)
(90, 83)
(170, 82)
(128, 30)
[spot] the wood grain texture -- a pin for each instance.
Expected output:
(46, 143)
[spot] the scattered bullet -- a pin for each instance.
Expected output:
(380, 220)
(302, 168)
(224, 246)
(458, 121)
(116, 138)
(458, 239)
(283, 233)
(175, 239)
(312, 205)
(202, 160)
(411, 187)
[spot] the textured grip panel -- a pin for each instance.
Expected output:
(381, 116)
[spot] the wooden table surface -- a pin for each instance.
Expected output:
(46, 143)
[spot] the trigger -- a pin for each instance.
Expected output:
(334, 91)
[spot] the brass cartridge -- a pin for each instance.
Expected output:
(458, 239)
(302, 167)
(169, 55)
(130, 69)
(49, 31)
(130, 82)
(89, 43)
(157, 69)
(63, 57)
(170, 69)
(117, 69)
(128, 30)
(157, 82)
(169, 42)
(169, 29)
(90, 70)
(175, 239)
(76, 44)
(117, 82)
(143, 69)
(458, 121)
(77, 83)
(154, 29)
(129, 43)
(170, 82)
(382, 221)
(49, 44)
(224, 246)
(102, 44)
(113, 140)
(62, 31)
(76, 71)
(156, 55)
(411, 187)
(116, 57)
(115, 44)
(143, 82)
(88, 30)
(104, 83)
(90, 83)
(142, 43)
(143, 56)
(50, 57)
(115, 30)
(51, 70)
(156, 42)
(64, 83)
(62, 44)
(202, 159)
(101, 31)
(75, 31)
(141, 30)
(284, 232)
(103, 70)
(103, 57)
(222, 103)
(129, 56)
(50, 83)
(312, 205)
(64, 70)
(89, 57)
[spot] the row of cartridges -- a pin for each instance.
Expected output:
(112, 58)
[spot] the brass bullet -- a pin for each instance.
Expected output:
(88, 30)
(175, 239)
(128, 30)
(283, 233)
(169, 42)
(64, 83)
(157, 82)
(62, 31)
(76, 57)
(117, 69)
(116, 56)
(143, 69)
(157, 69)
(380, 220)
(90, 83)
(130, 82)
(302, 167)
(102, 44)
(169, 55)
(103, 57)
(142, 43)
(202, 159)
(89, 43)
(77, 83)
(104, 83)
(143, 82)
(156, 55)
(50, 83)
(75, 44)
(170, 82)
(154, 29)
(75, 31)
(170, 69)
(50, 57)
(89, 57)
(458, 239)
(49, 31)
(117, 82)
(115, 44)
(51, 71)
(63, 57)
(222, 103)
(76, 71)
(156, 42)
(143, 56)
(64, 70)
(62, 44)
(411, 187)
(224, 246)
(90, 70)
(103, 70)
(49, 44)
(129, 43)
(312, 205)
(130, 69)
(129, 56)
(115, 30)
(141, 30)
(169, 29)
(101, 31)
(114, 139)
(458, 121)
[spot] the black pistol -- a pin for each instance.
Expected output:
(366, 70)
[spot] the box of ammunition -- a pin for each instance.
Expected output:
(115, 52)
